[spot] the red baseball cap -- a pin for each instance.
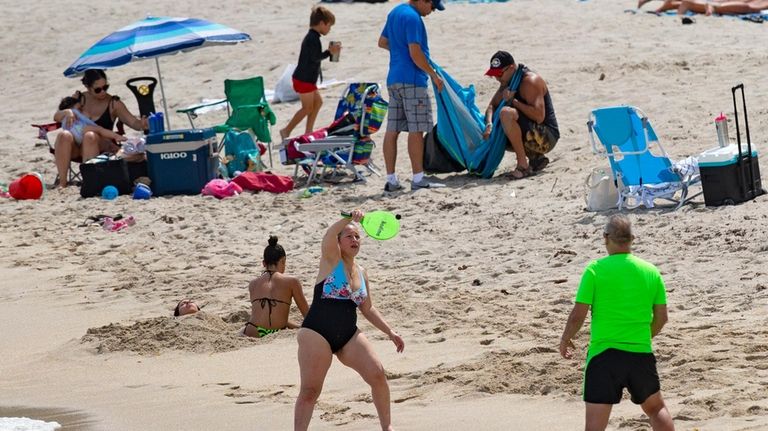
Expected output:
(499, 61)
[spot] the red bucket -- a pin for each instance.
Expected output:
(29, 186)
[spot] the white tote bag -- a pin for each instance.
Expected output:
(601, 192)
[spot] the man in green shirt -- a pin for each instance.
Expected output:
(629, 307)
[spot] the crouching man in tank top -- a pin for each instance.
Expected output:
(528, 117)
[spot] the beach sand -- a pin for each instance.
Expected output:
(479, 282)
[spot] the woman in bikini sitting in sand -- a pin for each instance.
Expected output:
(271, 293)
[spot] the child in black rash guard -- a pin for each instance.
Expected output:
(308, 70)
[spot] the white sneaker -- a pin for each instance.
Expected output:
(389, 187)
(425, 184)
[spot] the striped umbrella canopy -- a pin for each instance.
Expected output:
(153, 37)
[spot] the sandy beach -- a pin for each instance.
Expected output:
(479, 282)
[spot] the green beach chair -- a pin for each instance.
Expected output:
(247, 108)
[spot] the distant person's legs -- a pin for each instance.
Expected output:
(307, 106)
(306, 92)
(65, 150)
(317, 103)
(396, 123)
(315, 358)
(359, 355)
(416, 151)
(597, 416)
(390, 151)
(739, 7)
(661, 419)
(668, 5)
(665, 6)
(418, 115)
(694, 6)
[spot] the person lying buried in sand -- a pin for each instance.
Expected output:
(184, 307)
(271, 295)
(330, 327)
(79, 124)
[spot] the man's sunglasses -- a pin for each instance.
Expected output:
(98, 90)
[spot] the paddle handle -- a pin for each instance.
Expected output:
(349, 215)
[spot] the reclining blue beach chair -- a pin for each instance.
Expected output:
(641, 176)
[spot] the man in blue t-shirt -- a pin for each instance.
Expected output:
(410, 108)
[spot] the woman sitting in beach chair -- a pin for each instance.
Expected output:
(271, 294)
(104, 110)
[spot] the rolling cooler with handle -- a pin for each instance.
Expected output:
(731, 174)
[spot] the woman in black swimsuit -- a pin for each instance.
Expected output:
(330, 327)
(102, 108)
(271, 294)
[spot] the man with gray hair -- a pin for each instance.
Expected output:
(629, 307)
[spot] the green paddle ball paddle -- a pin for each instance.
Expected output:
(380, 225)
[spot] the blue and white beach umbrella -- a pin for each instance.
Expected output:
(151, 38)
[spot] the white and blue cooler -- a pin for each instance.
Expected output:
(182, 161)
(728, 179)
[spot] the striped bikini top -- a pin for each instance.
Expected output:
(336, 286)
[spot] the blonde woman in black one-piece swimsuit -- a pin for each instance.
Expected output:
(330, 327)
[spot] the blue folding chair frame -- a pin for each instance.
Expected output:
(626, 136)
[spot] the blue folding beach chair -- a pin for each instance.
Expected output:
(641, 176)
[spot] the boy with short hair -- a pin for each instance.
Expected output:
(308, 70)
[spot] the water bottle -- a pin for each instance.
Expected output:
(160, 122)
(152, 123)
(721, 125)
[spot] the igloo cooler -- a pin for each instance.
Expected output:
(181, 162)
(728, 179)
(731, 174)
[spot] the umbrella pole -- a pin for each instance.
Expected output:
(162, 92)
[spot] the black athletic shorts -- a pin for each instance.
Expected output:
(613, 370)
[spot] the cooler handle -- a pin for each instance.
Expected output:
(747, 188)
(213, 147)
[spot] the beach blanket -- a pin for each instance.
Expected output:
(460, 125)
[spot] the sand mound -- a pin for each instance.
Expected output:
(200, 333)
